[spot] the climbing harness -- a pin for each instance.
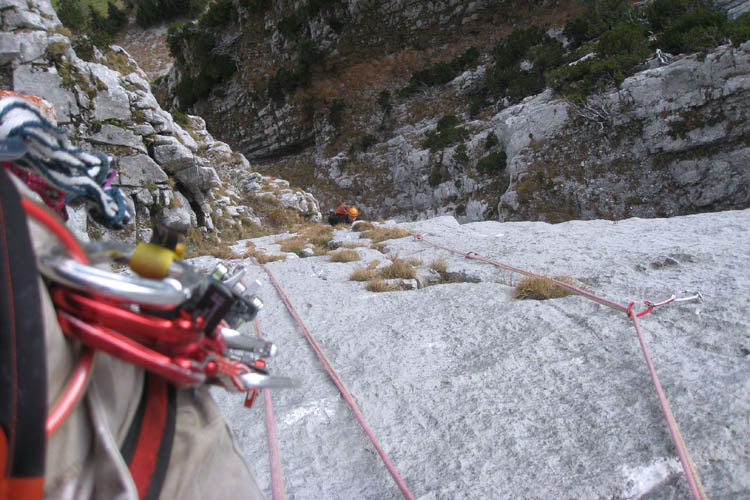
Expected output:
(161, 314)
(691, 474)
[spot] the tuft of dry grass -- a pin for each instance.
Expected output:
(198, 243)
(261, 256)
(282, 218)
(295, 244)
(363, 226)
(317, 234)
(345, 255)
(399, 268)
(363, 274)
(378, 234)
(542, 288)
(354, 245)
(379, 285)
(440, 266)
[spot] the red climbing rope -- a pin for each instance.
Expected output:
(696, 488)
(691, 474)
(274, 457)
(342, 388)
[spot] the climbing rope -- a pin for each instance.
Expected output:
(274, 457)
(691, 474)
(340, 385)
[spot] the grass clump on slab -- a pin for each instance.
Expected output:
(362, 226)
(344, 255)
(365, 273)
(378, 234)
(380, 285)
(399, 269)
(542, 288)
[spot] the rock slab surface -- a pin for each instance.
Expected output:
(474, 394)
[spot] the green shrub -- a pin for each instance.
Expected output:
(436, 140)
(576, 31)
(116, 18)
(490, 141)
(384, 101)
(175, 37)
(435, 178)
(286, 81)
(220, 14)
(623, 39)
(739, 29)
(290, 26)
(505, 77)
(72, 13)
(152, 12)
(513, 48)
(660, 13)
(695, 30)
(179, 117)
(98, 28)
(148, 13)
(447, 122)
(336, 112)
(461, 156)
(492, 163)
(256, 6)
(196, 8)
(442, 72)
(364, 143)
(83, 47)
(603, 15)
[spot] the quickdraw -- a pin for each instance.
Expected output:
(650, 306)
(189, 345)
(178, 327)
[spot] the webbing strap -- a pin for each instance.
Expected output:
(148, 443)
(23, 400)
(340, 385)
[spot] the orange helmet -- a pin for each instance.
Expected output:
(353, 213)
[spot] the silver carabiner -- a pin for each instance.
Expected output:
(154, 294)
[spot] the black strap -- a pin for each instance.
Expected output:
(23, 377)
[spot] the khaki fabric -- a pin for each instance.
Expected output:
(83, 459)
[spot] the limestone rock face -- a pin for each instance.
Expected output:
(671, 140)
(164, 171)
(668, 141)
